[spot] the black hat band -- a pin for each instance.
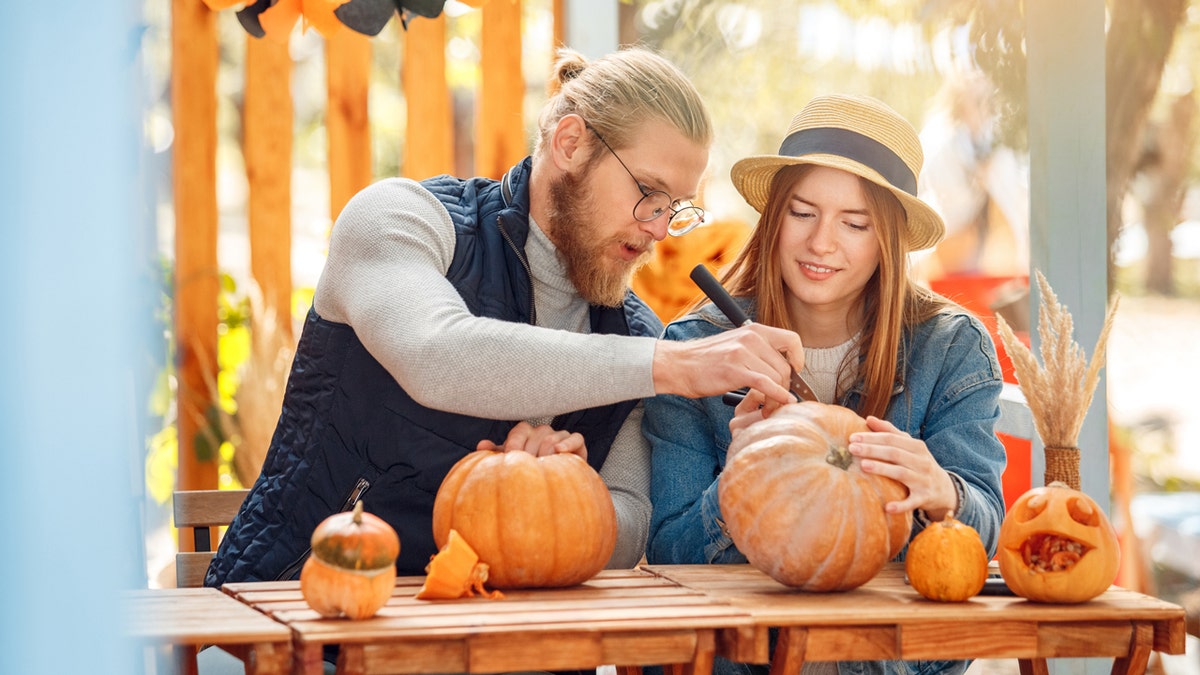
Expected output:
(854, 146)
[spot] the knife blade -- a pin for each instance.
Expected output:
(732, 311)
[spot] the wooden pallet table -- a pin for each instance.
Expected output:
(887, 619)
(623, 618)
(186, 619)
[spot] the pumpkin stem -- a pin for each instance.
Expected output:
(358, 511)
(839, 456)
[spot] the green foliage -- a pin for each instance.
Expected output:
(217, 440)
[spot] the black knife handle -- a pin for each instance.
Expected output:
(719, 296)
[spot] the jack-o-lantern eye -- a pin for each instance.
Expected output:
(1031, 508)
(1082, 512)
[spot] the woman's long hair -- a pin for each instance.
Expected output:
(890, 302)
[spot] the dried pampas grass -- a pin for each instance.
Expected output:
(264, 378)
(1059, 392)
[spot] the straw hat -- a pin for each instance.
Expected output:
(858, 134)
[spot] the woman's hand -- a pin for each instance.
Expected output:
(755, 407)
(538, 441)
(887, 451)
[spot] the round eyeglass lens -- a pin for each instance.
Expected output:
(686, 219)
(652, 205)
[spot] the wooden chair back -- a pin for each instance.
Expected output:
(205, 511)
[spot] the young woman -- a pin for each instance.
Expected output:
(829, 260)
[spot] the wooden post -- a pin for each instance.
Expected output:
(500, 125)
(348, 74)
(429, 137)
(559, 9)
(267, 124)
(194, 108)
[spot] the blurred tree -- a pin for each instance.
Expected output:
(1140, 37)
(1160, 183)
(750, 62)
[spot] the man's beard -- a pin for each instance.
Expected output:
(599, 279)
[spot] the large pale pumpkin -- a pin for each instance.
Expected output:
(799, 506)
(535, 521)
(1056, 545)
(352, 568)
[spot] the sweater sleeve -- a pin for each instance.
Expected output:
(386, 277)
(626, 472)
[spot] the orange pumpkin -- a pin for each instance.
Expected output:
(1056, 545)
(455, 572)
(947, 561)
(799, 506)
(352, 568)
(665, 282)
(536, 521)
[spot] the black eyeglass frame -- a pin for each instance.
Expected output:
(693, 215)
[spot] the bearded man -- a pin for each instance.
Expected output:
(455, 314)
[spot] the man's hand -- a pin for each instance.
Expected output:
(755, 356)
(538, 441)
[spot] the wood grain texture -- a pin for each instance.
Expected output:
(500, 135)
(194, 156)
(623, 617)
(188, 618)
(267, 121)
(348, 78)
(429, 136)
(683, 616)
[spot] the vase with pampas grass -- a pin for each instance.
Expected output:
(1056, 544)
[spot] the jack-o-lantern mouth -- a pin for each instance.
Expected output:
(1048, 552)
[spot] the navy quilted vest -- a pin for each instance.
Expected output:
(349, 431)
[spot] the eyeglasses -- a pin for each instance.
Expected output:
(685, 216)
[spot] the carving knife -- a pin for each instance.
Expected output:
(724, 302)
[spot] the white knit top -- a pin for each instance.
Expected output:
(821, 369)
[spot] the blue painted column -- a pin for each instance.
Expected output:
(76, 273)
(1068, 241)
(591, 26)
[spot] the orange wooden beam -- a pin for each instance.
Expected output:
(500, 139)
(429, 137)
(559, 10)
(194, 108)
(267, 124)
(348, 76)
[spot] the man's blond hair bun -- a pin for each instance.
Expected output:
(569, 65)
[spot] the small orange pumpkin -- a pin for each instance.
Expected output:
(536, 521)
(455, 572)
(352, 568)
(799, 506)
(1056, 545)
(947, 561)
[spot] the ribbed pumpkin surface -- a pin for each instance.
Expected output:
(800, 507)
(355, 540)
(536, 521)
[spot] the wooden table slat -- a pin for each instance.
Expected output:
(683, 615)
(187, 618)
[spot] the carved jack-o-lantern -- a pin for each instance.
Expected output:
(1056, 545)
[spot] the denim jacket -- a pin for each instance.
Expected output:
(947, 394)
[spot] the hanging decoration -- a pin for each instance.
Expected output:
(275, 19)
